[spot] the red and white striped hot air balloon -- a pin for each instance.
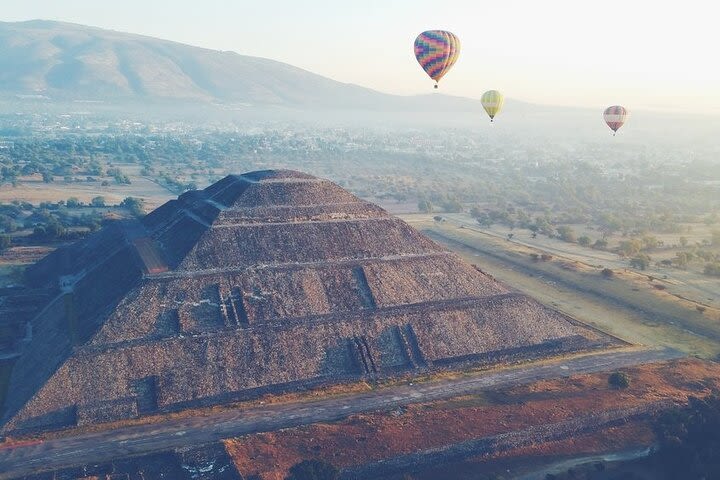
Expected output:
(615, 117)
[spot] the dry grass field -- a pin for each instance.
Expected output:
(382, 435)
(628, 306)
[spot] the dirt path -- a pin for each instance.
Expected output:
(503, 442)
(143, 439)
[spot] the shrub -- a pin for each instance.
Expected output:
(619, 380)
(641, 261)
(607, 273)
(313, 470)
(600, 244)
(712, 269)
(566, 233)
(5, 242)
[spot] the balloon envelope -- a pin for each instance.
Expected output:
(492, 101)
(615, 117)
(436, 52)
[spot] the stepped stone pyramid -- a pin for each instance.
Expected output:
(265, 282)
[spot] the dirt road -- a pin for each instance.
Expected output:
(143, 439)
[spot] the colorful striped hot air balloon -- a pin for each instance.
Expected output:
(436, 52)
(615, 117)
(492, 101)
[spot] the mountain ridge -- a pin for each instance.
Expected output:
(61, 61)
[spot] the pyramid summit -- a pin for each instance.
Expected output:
(264, 282)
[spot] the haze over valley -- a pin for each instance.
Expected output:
(215, 265)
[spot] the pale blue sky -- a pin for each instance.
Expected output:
(656, 55)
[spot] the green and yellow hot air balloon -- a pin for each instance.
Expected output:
(492, 102)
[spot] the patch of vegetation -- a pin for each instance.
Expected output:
(712, 269)
(689, 440)
(313, 470)
(640, 261)
(619, 380)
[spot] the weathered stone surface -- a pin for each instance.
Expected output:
(262, 282)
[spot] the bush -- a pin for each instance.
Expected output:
(566, 233)
(135, 205)
(313, 470)
(641, 261)
(689, 440)
(712, 269)
(546, 257)
(607, 273)
(5, 242)
(619, 380)
(600, 244)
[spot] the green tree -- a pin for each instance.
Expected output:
(683, 242)
(682, 259)
(73, 202)
(640, 261)
(484, 220)
(425, 206)
(134, 205)
(5, 242)
(600, 244)
(452, 205)
(98, 202)
(54, 230)
(712, 269)
(629, 248)
(313, 470)
(715, 238)
(649, 242)
(566, 233)
(689, 440)
(584, 241)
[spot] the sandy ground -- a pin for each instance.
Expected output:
(371, 437)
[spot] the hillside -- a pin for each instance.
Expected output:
(65, 61)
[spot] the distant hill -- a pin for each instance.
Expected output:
(65, 61)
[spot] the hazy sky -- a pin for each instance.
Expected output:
(643, 54)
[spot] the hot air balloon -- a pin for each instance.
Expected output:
(436, 52)
(492, 101)
(615, 117)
